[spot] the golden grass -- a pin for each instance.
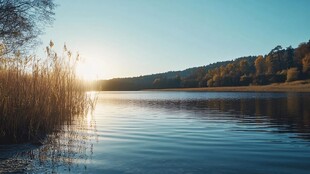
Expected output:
(38, 96)
(296, 86)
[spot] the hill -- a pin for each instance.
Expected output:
(278, 66)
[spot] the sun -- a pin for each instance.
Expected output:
(88, 70)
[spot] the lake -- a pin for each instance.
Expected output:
(177, 132)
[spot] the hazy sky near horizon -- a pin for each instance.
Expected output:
(123, 38)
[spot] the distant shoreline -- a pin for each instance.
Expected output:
(297, 86)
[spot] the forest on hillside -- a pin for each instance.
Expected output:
(278, 66)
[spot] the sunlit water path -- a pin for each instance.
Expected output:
(181, 132)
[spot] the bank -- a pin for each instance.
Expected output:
(296, 86)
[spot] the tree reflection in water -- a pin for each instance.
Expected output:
(70, 147)
(287, 113)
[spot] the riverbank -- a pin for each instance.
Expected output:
(297, 86)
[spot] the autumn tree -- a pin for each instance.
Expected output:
(216, 80)
(244, 66)
(270, 64)
(306, 63)
(223, 71)
(259, 65)
(300, 52)
(21, 21)
(292, 74)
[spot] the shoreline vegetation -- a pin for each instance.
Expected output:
(280, 66)
(39, 97)
(297, 86)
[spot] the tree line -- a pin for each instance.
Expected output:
(278, 66)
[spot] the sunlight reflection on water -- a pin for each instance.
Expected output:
(67, 149)
(180, 132)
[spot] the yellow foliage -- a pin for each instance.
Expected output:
(259, 65)
(306, 63)
(292, 74)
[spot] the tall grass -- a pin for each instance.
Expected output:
(39, 96)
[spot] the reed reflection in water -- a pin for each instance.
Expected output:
(179, 132)
(68, 149)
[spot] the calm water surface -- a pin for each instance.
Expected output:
(178, 132)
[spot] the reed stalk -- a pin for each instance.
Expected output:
(39, 96)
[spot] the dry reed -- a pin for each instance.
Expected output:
(39, 96)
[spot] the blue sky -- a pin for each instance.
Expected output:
(121, 38)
